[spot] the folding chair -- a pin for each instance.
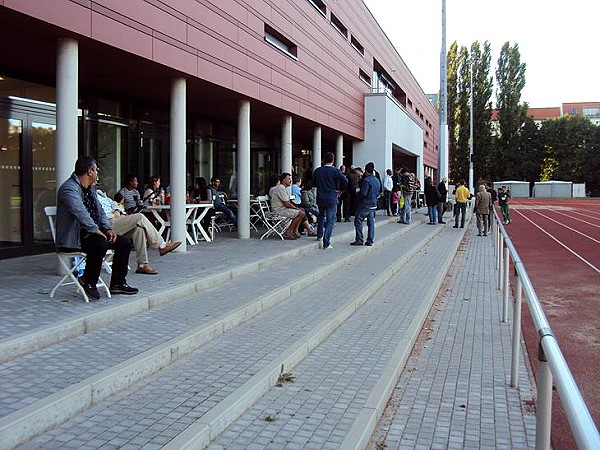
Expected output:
(275, 223)
(64, 259)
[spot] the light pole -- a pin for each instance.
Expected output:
(443, 133)
(471, 180)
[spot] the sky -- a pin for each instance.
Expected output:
(558, 41)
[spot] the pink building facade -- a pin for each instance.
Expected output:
(239, 89)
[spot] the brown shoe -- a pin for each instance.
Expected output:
(146, 269)
(169, 247)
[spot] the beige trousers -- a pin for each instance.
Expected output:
(142, 232)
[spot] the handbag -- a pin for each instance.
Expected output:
(401, 201)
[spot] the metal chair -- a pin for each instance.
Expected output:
(275, 223)
(64, 259)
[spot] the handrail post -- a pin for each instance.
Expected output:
(516, 334)
(497, 247)
(544, 397)
(505, 287)
(500, 262)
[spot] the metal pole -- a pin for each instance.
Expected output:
(471, 180)
(544, 405)
(499, 263)
(516, 334)
(443, 141)
(505, 280)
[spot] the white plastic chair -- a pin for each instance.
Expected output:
(275, 223)
(64, 259)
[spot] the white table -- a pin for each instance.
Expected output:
(194, 213)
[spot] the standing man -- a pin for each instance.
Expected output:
(443, 190)
(462, 196)
(81, 225)
(367, 205)
(503, 197)
(388, 185)
(330, 182)
(407, 181)
(483, 200)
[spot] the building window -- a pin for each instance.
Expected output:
(320, 6)
(359, 48)
(280, 42)
(364, 77)
(339, 26)
(591, 112)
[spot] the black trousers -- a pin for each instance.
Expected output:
(96, 247)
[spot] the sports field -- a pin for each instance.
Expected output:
(559, 243)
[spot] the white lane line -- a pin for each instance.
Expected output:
(568, 227)
(558, 242)
(587, 216)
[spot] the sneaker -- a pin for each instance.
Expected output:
(146, 270)
(124, 289)
(455, 226)
(329, 247)
(370, 244)
(356, 243)
(169, 247)
(90, 290)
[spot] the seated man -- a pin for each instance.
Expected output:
(82, 225)
(219, 198)
(131, 195)
(140, 229)
(281, 204)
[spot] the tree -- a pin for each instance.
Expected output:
(462, 117)
(482, 111)
(572, 143)
(452, 82)
(510, 77)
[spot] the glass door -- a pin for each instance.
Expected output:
(43, 163)
(11, 181)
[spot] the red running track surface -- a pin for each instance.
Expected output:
(558, 240)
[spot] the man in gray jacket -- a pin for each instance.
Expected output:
(82, 225)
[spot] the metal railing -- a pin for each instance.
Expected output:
(551, 362)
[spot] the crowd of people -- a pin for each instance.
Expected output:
(90, 221)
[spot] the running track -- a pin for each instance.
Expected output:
(559, 242)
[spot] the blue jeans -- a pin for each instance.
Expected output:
(364, 212)
(432, 211)
(460, 209)
(406, 209)
(326, 221)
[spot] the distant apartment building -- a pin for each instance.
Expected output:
(590, 110)
(240, 89)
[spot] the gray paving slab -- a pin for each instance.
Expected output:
(192, 386)
(455, 390)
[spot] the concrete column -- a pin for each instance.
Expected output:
(67, 85)
(243, 170)
(286, 145)
(316, 148)
(339, 150)
(178, 131)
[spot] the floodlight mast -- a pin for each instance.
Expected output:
(443, 133)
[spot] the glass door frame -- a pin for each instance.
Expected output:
(27, 114)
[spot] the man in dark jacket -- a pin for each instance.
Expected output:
(367, 205)
(443, 190)
(81, 224)
(329, 181)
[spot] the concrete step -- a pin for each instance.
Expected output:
(50, 385)
(225, 376)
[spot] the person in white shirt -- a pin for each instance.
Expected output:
(142, 232)
(388, 185)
